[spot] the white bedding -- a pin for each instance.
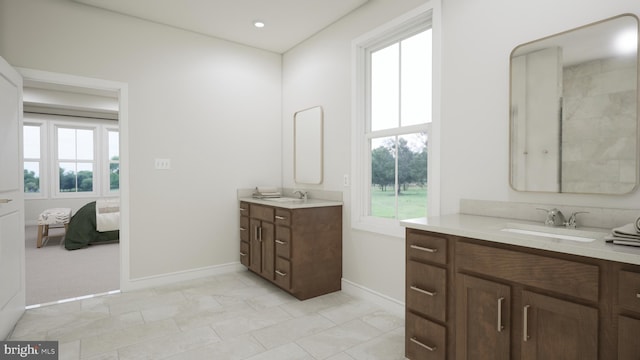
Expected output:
(107, 214)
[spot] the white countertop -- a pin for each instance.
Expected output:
(289, 203)
(490, 229)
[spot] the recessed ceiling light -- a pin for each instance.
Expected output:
(259, 24)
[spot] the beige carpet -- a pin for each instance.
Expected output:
(54, 273)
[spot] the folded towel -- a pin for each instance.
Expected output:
(627, 231)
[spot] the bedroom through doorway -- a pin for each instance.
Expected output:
(71, 144)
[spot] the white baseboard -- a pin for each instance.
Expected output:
(387, 303)
(171, 278)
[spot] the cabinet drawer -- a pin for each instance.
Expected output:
(559, 275)
(283, 242)
(629, 290)
(261, 212)
(244, 228)
(424, 340)
(427, 290)
(283, 217)
(244, 253)
(244, 208)
(426, 246)
(283, 273)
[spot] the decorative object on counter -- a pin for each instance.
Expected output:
(628, 234)
(266, 192)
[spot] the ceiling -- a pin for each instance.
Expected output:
(288, 22)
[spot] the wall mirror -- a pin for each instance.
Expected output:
(307, 146)
(574, 110)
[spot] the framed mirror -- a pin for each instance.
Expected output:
(308, 146)
(574, 110)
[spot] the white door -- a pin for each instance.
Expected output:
(12, 281)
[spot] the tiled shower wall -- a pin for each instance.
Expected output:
(599, 127)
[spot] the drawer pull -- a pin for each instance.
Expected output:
(525, 319)
(429, 250)
(243, 254)
(281, 273)
(430, 348)
(243, 229)
(280, 242)
(243, 209)
(280, 217)
(430, 293)
(500, 326)
(638, 295)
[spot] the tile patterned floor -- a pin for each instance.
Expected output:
(227, 317)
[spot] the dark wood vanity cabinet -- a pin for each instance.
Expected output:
(511, 302)
(299, 250)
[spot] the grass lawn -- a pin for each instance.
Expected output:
(412, 203)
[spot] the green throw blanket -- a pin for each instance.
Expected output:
(82, 229)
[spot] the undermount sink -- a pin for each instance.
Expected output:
(285, 200)
(552, 232)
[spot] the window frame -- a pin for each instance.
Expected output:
(42, 166)
(49, 173)
(416, 21)
(106, 178)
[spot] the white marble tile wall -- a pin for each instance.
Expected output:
(599, 126)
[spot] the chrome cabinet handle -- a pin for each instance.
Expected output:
(638, 295)
(243, 254)
(430, 293)
(243, 229)
(500, 326)
(280, 217)
(525, 326)
(429, 250)
(243, 209)
(430, 348)
(5, 201)
(280, 242)
(260, 233)
(281, 273)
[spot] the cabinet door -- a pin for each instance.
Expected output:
(255, 246)
(628, 345)
(483, 324)
(557, 329)
(268, 250)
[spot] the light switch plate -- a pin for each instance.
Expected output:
(163, 164)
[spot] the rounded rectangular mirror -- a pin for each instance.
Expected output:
(307, 145)
(574, 110)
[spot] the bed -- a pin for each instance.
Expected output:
(95, 222)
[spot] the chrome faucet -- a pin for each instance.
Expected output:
(554, 217)
(301, 194)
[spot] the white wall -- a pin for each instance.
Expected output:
(211, 106)
(478, 37)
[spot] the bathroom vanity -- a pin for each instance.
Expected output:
(296, 244)
(476, 291)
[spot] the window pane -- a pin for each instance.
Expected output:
(66, 143)
(416, 79)
(114, 145)
(85, 177)
(67, 177)
(412, 176)
(31, 177)
(114, 176)
(385, 77)
(383, 178)
(31, 136)
(84, 146)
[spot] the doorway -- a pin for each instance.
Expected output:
(65, 268)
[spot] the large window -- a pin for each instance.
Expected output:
(393, 115)
(66, 156)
